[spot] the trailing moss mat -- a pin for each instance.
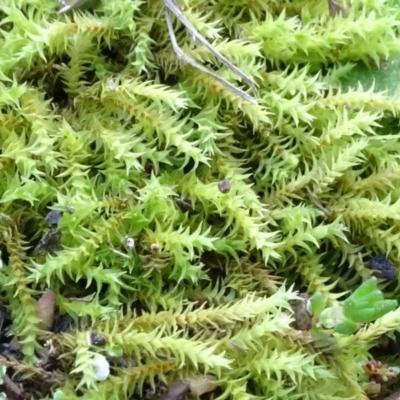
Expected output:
(199, 199)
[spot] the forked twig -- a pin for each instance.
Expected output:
(181, 55)
(173, 6)
(317, 203)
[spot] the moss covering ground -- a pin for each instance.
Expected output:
(191, 217)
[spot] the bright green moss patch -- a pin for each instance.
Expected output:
(192, 218)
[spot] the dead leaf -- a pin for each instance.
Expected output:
(46, 306)
(202, 384)
(177, 391)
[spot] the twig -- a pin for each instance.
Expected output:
(317, 203)
(120, 253)
(66, 7)
(81, 299)
(173, 6)
(181, 55)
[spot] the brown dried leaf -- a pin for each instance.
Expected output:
(177, 391)
(202, 384)
(46, 306)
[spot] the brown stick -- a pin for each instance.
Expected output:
(172, 6)
(317, 203)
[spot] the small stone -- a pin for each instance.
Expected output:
(336, 9)
(373, 389)
(224, 186)
(383, 267)
(96, 339)
(185, 205)
(394, 396)
(49, 243)
(53, 217)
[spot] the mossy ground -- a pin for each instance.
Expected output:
(192, 218)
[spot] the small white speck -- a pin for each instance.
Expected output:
(111, 85)
(129, 243)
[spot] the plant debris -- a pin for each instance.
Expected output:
(383, 267)
(302, 317)
(46, 306)
(185, 205)
(53, 217)
(50, 243)
(177, 391)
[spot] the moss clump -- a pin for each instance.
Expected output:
(189, 218)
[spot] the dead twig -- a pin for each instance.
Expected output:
(316, 202)
(81, 299)
(173, 6)
(119, 253)
(188, 60)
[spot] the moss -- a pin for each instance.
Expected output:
(192, 218)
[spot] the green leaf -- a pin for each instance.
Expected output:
(317, 302)
(346, 328)
(365, 290)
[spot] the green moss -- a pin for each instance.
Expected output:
(101, 120)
